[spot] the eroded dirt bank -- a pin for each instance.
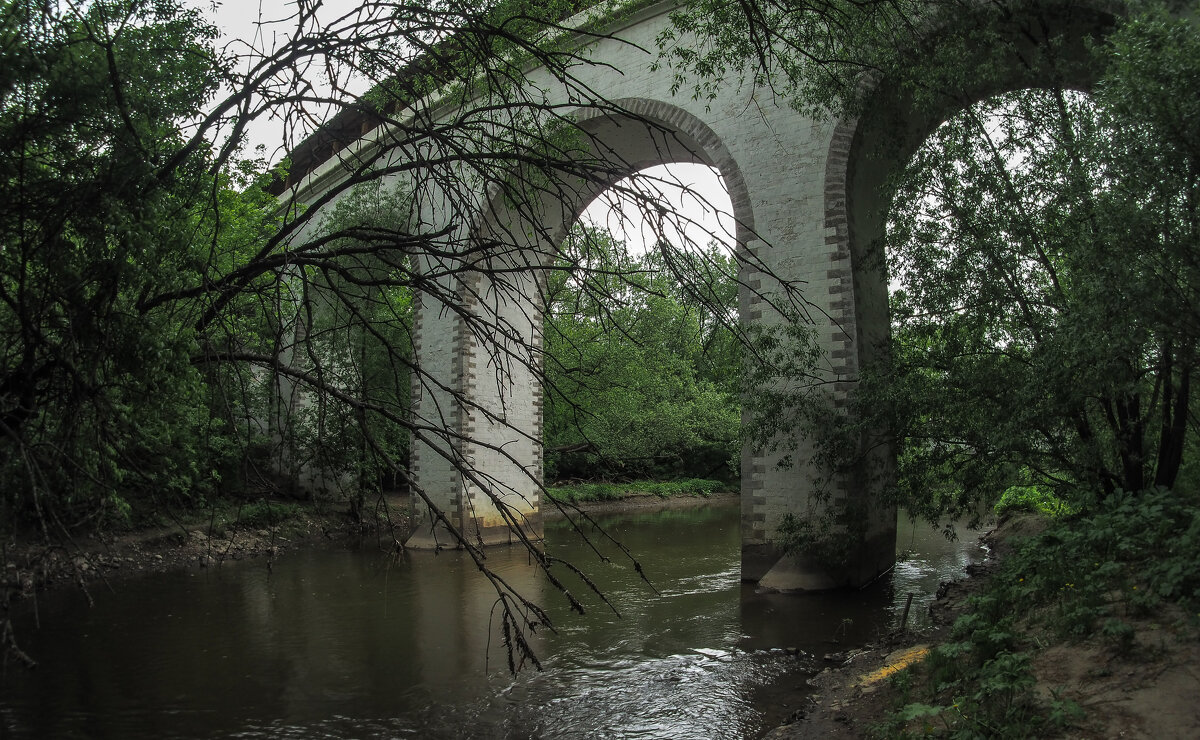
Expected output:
(258, 530)
(1149, 691)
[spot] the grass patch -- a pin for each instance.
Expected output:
(1084, 577)
(1035, 500)
(266, 514)
(580, 492)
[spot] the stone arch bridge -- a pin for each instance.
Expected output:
(808, 197)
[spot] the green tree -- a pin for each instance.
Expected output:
(642, 372)
(99, 396)
(1044, 241)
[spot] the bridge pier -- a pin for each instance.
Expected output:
(809, 198)
(478, 403)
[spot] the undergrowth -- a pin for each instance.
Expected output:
(224, 517)
(579, 492)
(1033, 499)
(265, 514)
(1087, 575)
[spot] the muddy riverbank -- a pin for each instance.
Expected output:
(258, 530)
(198, 540)
(1145, 690)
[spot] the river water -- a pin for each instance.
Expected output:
(330, 643)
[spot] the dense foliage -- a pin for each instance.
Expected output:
(1045, 245)
(643, 371)
(148, 288)
(106, 209)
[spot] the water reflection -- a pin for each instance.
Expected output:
(831, 622)
(337, 644)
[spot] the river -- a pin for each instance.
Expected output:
(336, 643)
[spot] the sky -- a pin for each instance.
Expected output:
(240, 19)
(708, 215)
(702, 202)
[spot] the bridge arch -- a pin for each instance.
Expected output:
(1047, 45)
(492, 409)
(699, 142)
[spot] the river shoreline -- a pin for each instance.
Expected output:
(1146, 694)
(195, 542)
(642, 502)
(103, 561)
(850, 695)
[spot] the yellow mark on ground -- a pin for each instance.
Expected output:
(896, 662)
